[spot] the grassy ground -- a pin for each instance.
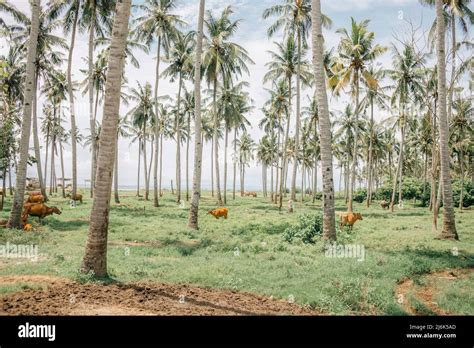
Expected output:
(248, 252)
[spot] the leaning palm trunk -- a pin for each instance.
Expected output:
(216, 146)
(36, 140)
(449, 222)
(29, 86)
(138, 168)
(329, 228)
(187, 156)
(193, 210)
(95, 258)
(355, 145)
(298, 120)
(156, 192)
(91, 96)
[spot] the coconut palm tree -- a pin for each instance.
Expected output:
(449, 222)
(194, 208)
(329, 223)
(222, 61)
(462, 132)
(356, 50)
(179, 68)
(157, 23)
(142, 115)
(407, 75)
(374, 95)
(294, 16)
(245, 153)
(29, 89)
(95, 258)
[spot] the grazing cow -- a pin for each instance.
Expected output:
(40, 210)
(34, 193)
(219, 212)
(349, 219)
(77, 197)
(35, 199)
(385, 204)
(250, 194)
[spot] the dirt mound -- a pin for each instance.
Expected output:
(142, 299)
(426, 293)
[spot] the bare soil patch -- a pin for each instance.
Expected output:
(427, 293)
(69, 298)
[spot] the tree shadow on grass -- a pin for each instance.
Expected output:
(68, 225)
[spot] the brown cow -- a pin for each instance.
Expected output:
(219, 212)
(385, 204)
(77, 197)
(250, 194)
(35, 199)
(349, 219)
(40, 210)
(34, 193)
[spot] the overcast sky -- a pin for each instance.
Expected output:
(387, 17)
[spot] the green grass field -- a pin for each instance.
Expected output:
(248, 252)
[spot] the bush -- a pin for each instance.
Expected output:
(468, 193)
(360, 195)
(307, 229)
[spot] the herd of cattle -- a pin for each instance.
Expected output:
(34, 206)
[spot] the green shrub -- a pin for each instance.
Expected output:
(307, 229)
(360, 195)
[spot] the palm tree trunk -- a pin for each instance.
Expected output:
(187, 156)
(329, 224)
(355, 145)
(434, 163)
(29, 88)
(369, 164)
(161, 164)
(156, 192)
(461, 164)
(449, 222)
(36, 140)
(285, 148)
(63, 181)
(95, 258)
(46, 158)
(138, 175)
(264, 179)
(150, 165)
(51, 185)
(398, 172)
(72, 109)
(402, 154)
(91, 94)
(216, 145)
(145, 162)
(193, 210)
(116, 185)
(271, 184)
(225, 163)
(298, 119)
(212, 168)
(10, 187)
(453, 66)
(178, 143)
(235, 164)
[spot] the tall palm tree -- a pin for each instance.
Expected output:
(194, 208)
(329, 223)
(188, 112)
(29, 86)
(180, 68)
(295, 19)
(222, 60)
(95, 258)
(245, 153)
(462, 133)
(375, 95)
(356, 50)
(407, 75)
(157, 23)
(449, 222)
(143, 115)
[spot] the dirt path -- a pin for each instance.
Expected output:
(426, 293)
(64, 297)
